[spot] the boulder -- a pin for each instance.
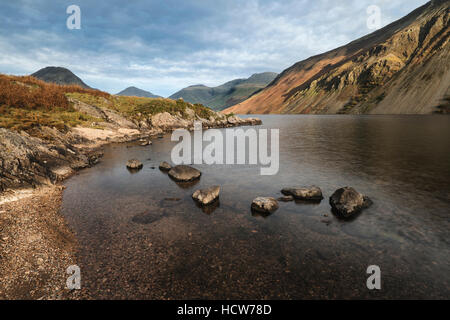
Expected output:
(183, 173)
(206, 196)
(27, 161)
(346, 202)
(265, 205)
(134, 164)
(164, 121)
(311, 193)
(164, 166)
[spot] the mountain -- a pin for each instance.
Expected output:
(227, 94)
(136, 92)
(59, 75)
(403, 68)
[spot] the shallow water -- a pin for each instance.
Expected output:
(142, 236)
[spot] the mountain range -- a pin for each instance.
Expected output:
(402, 68)
(136, 92)
(217, 98)
(227, 94)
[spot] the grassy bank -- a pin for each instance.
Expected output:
(26, 102)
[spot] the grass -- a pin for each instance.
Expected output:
(33, 94)
(26, 102)
(22, 119)
(139, 108)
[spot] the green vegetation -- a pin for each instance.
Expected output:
(22, 119)
(139, 108)
(26, 102)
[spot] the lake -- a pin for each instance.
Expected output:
(141, 236)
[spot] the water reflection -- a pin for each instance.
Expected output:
(210, 208)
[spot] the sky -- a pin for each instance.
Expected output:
(166, 45)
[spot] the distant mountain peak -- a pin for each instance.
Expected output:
(59, 75)
(197, 85)
(136, 92)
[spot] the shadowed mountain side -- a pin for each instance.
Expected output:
(227, 94)
(59, 75)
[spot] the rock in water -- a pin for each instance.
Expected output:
(164, 166)
(206, 196)
(312, 193)
(265, 205)
(146, 143)
(134, 164)
(346, 202)
(183, 173)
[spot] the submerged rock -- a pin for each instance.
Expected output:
(164, 166)
(206, 196)
(134, 164)
(265, 205)
(346, 202)
(183, 173)
(311, 193)
(147, 218)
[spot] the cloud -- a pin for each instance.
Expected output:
(163, 46)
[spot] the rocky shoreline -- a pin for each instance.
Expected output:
(45, 155)
(36, 243)
(36, 247)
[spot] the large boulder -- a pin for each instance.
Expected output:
(134, 164)
(183, 173)
(311, 193)
(166, 121)
(27, 161)
(346, 202)
(206, 196)
(266, 205)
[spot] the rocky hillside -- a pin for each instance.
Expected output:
(403, 68)
(59, 75)
(136, 92)
(48, 131)
(227, 94)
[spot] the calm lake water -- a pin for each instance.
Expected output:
(142, 236)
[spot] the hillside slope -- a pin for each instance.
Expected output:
(59, 75)
(136, 92)
(227, 94)
(48, 131)
(401, 69)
